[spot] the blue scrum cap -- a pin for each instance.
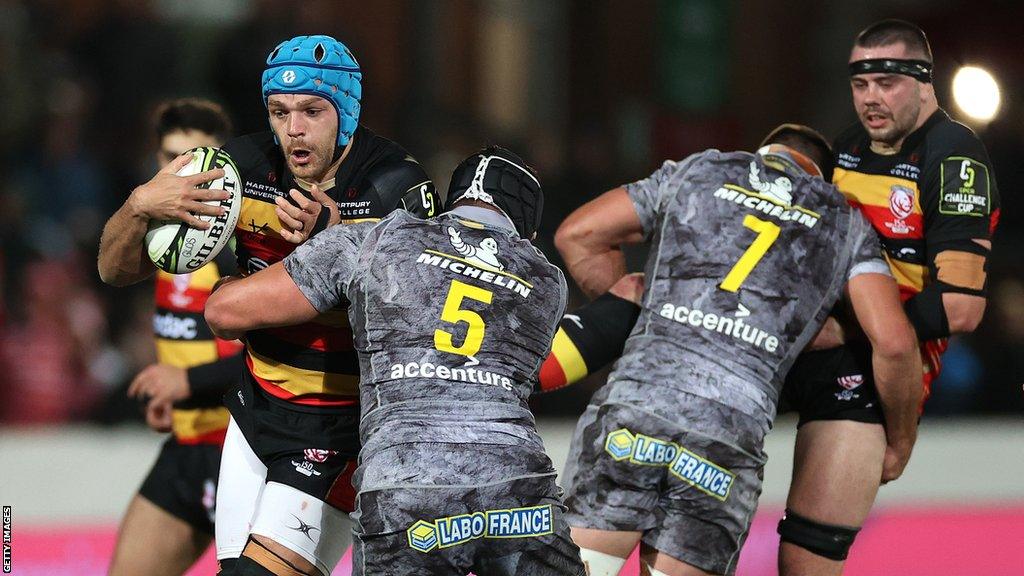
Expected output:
(319, 66)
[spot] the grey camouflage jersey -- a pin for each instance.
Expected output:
(745, 263)
(451, 319)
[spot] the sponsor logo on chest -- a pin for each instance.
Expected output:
(174, 328)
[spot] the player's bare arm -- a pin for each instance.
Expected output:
(896, 363)
(590, 240)
(122, 258)
(265, 299)
(963, 311)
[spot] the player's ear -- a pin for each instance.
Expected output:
(533, 236)
(927, 92)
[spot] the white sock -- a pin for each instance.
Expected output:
(601, 564)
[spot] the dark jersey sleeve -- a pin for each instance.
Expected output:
(587, 340)
(959, 197)
(402, 183)
(208, 382)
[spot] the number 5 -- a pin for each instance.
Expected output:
(766, 235)
(454, 313)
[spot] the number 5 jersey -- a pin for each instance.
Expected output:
(451, 320)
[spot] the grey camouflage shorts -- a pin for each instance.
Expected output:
(693, 497)
(503, 529)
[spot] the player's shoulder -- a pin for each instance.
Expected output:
(397, 174)
(250, 149)
(672, 168)
(399, 225)
(389, 168)
(947, 137)
(852, 136)
(385, 158)
(704, 157)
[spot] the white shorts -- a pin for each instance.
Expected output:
(248, 504)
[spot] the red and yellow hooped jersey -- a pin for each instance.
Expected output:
(183, 339)
(939, 187)
(314, 364)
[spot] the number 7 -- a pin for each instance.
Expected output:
(767, 233)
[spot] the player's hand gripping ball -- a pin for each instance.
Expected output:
(177, 247)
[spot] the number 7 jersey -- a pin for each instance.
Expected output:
(746, 260)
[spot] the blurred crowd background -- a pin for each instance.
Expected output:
(593, 93)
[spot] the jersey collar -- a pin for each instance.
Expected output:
(482, 215)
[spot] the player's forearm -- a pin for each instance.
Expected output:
(266, 299)
(590, 240)
(122, 258)
(227, 313)
(898, 381)
(595, 273)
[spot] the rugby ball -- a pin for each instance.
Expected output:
(178, 248)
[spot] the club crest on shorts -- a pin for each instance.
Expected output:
(210, 498)
(454, 530)
(318, 455)
(851, 382)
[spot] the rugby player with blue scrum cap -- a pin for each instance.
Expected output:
(291, 445)
(748, 254)
(452, 317)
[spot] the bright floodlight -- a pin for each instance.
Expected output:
(976, 93)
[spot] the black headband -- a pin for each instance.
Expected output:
(920, 70)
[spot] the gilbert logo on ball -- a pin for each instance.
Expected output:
(176, 247)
